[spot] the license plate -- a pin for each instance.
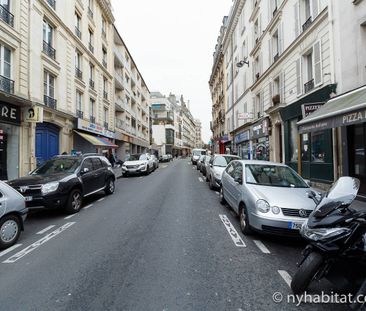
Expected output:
(294, 225)
(27, 199)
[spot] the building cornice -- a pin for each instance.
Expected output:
(107, 9)
(233, 21)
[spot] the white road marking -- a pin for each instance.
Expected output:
(8, 250)
(233, 233)
(101, 199)
(70, 216)
(38, 243)
(284, 274)
(200, 179)
(88, 206)
(46, 229)
(262, 247)
(217, 192)
(164, 166)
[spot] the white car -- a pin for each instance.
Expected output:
(142, 163)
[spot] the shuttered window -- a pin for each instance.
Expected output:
(318, 76)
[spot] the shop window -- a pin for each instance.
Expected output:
(305, 147)
(318, 147)
(293, 141)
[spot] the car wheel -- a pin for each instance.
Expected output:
(244, 221)
(9, 231)
(222, 197)
(109, 188)
(74, 202)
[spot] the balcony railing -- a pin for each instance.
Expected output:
(91, 47)
(52, 4)
(276, 57)
(49, 50)
(307, 24)
(6, 16)
(91, 84)
(106, 125)
(308, 86)
(79, 114)
(50, 102)
(105, 95)
(92, 119)
(78, 32)
(6, 85)
(78, 73)
(90, 13)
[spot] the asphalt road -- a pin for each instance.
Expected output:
(158, 243)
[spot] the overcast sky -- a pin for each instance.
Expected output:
(172, 42)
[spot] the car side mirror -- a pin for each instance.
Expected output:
(211, 165)
(84, 170)
(238, 179)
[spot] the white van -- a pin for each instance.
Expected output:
(196, 153)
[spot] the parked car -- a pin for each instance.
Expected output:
(63, 181)
(200, 161)
(13, 214)
(207, 166)
(170, 157)
(155, 161)
(164, 158)
(268, 197)
(196, 153)
(141, 163)
(205, 163)
(217, 165)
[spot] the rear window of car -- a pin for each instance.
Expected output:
(97, 164)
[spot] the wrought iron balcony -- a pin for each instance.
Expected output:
(6, 85)
(90, 13)
(49, 50)
(50, 102)
(52, 4)
(78, 32)
(92, 119)
(91, 47)
(307, 24)
(308, 86)
(105, 95)
(91, 84)
(79, 114)
(6, 16)
(106, 125)
(78, 73)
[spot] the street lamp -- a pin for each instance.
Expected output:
(243, 62)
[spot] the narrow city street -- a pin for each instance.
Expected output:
(158, 243)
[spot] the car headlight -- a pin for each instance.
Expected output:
(262, 206)
(275, 210)
(50, 187)
(143, 165)
(320, 234)
(217, 175)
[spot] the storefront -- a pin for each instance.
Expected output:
(260, 140)
(347, 114)
(9, 140)
(242, 142)
(311, 153)
(92, 138)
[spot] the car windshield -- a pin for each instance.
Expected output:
(59, 165)
(136, 157)
(273, 175)
(199, 152)
(223, 161)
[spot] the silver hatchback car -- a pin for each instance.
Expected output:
(268, 197)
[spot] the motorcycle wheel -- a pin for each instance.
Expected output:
(306, 273)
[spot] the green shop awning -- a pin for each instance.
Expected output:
(343, 110)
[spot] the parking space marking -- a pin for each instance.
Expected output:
(46, 229)
(70, 216)
(101, 199)
(88, 206)
(38, 243)
(200, 179)
(233, 233)
(164, 166)
(8, 250)
(261, 246)
(284, 274)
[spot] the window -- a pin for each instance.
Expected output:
(6, 84)
(318, 147)
(87, 164)
(92, 110)
(47, 33)
(5, 14)
(49, 85)
(104, 56)
(78, 65)
(79, 100)
(78, 25)
(91, 41)
(97, 164)
(91, 8)
(106, 115)
(230, 169)
(105, 88)
(104, 28)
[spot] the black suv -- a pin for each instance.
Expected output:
(64, 181)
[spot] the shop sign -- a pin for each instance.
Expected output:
(309, 108)
(225, 138)
(94, 128)
(243, 136)
(34, 114)
(9, 113)
(260, 129)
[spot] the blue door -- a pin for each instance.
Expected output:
(47, 141)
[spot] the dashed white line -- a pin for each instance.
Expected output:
(233, 233)
(200, 179)
(284, 274)
(88, 206)
(46, 229)
(101, 199)
(8, 250)
(70, 216)
(38, 243)
(262, 247)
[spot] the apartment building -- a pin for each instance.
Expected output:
(188, 128)
(132, 107)
(198, 134)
